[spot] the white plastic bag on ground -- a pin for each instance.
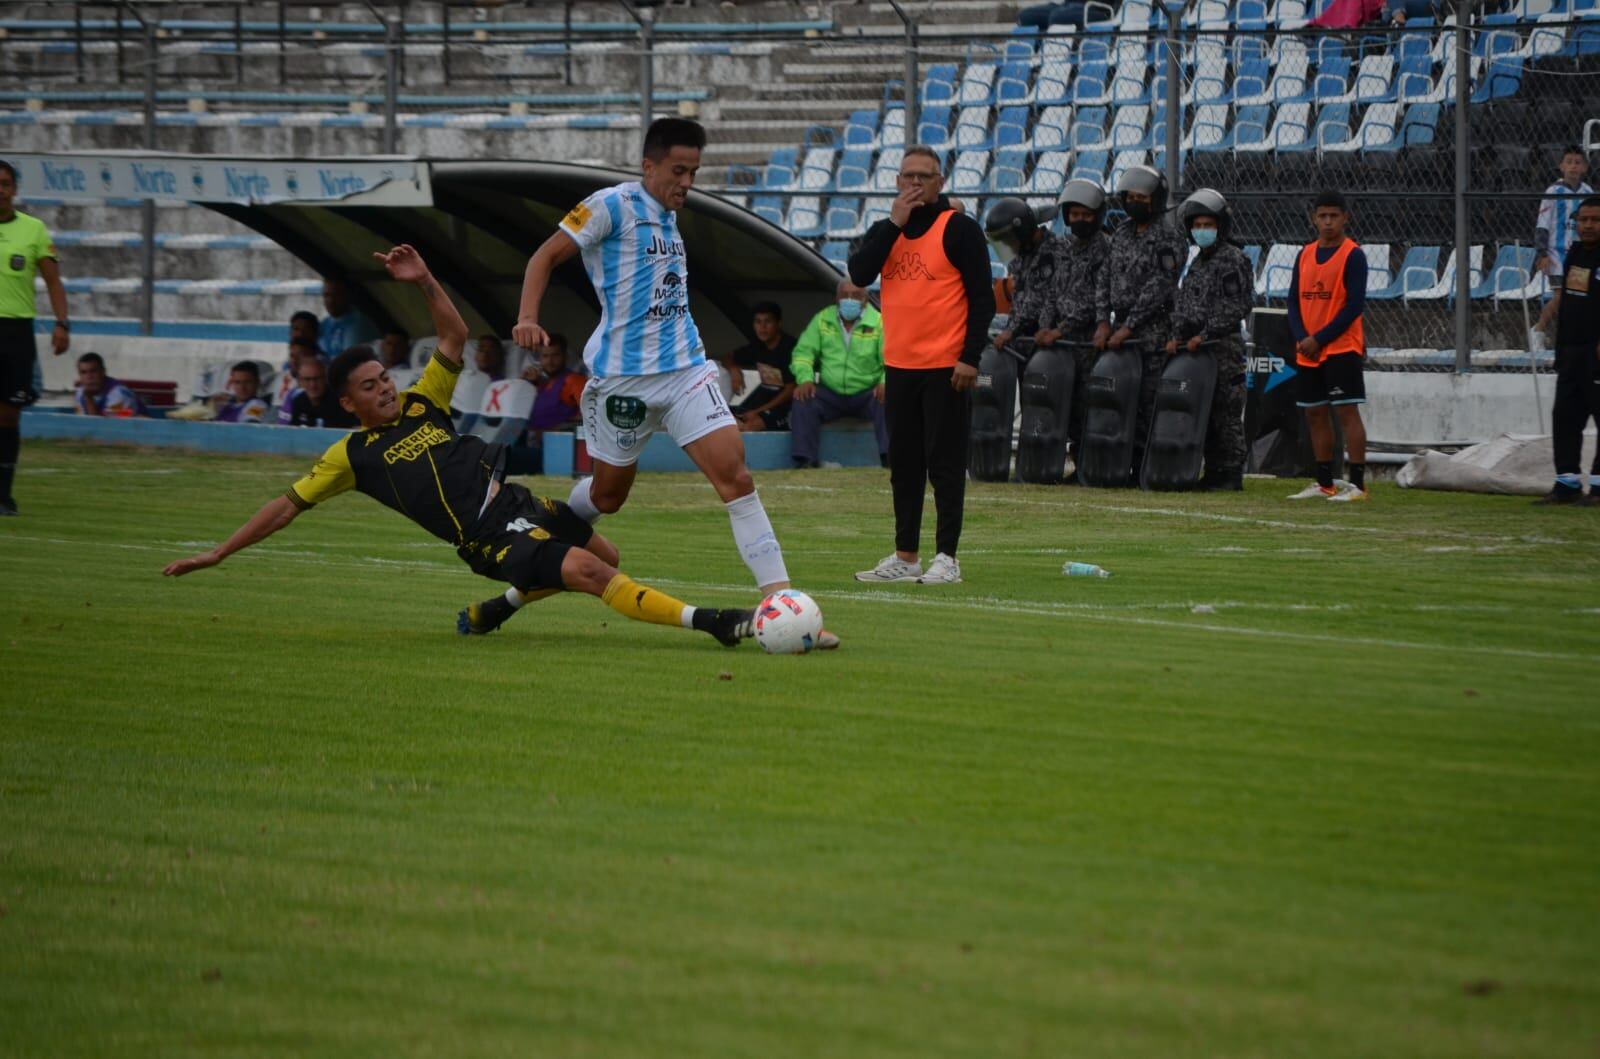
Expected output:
(1513, 464)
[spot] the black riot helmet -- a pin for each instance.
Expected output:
(1010, 226)
(1146, 180)
(1207, 202)
(1086, 193)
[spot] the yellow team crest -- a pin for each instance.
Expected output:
(417, 410)
(539, 533)
(576, 218)
(500, 556)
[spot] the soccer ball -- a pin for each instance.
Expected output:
(787, 623)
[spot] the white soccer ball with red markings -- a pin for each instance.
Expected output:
(787, 623)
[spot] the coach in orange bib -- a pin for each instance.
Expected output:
(1327, 297)
(937, 304)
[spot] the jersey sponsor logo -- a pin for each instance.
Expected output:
(659, 247)
(522, 525)
(576, 218)
(418, 409)
(626, 413)
(415, 444)
(907, 266)
(500, 556)
(1318, 292)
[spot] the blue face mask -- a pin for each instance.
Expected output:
(849, 310)
(1203, 237)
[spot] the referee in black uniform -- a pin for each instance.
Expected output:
(25, 249)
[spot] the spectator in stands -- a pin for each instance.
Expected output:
(100, 395)
(395, 349)
(1577, 362)
(1042, 16)
(1554, 229)
(839, 362)
(1137, 286)
(303, 327)
(766, 406)
(555, 407)
(313, 405)
(239, 402)
(344, 326)
(937, 306)
(300, 350)
(1327, 299)
(25, 250)
(490, 357)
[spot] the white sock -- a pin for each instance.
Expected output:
(515, 598)
(578, 500)
(686, 619)
(758, 545)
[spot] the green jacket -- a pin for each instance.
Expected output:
(821, 348)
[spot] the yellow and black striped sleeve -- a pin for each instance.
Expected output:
(329, 476)
(438, 382)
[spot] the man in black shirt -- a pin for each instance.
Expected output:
(766, 407)
(1577, 363)
(408, 456)
(312, 404)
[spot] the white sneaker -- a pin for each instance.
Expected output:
(892, 568)
(1316, 492)
(944, 570)
(1347, 493)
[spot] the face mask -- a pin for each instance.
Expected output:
(1203, 237)
(1139, 212)
(849, 310)
(1083, 231)
(1003, 250)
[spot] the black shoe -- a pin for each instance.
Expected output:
(728, 626)
(481, 619)
(883, 460)
(805, 465)
(8, 508)
(1560, 497)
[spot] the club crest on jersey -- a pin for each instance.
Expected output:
(417, 410)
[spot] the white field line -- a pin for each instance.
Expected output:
(980, 604)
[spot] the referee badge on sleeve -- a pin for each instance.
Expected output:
(18, 263)
(576, 218)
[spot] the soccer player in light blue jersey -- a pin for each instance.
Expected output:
(646, 361)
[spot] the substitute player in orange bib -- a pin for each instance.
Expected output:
(1327, 296)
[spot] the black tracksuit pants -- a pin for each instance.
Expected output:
(929, 427)
(1577, 398)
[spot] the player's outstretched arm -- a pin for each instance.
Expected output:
(273, 516)
(407, 266)
(556, 251)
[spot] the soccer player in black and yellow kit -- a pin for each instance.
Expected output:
(408, 456)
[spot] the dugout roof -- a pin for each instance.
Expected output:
(488, 217)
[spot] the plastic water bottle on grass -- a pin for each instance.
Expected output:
(1085, 570)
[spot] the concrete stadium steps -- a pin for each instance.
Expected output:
(174, 220)
(215, 300)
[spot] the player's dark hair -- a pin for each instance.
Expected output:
(1573, 149)
(249, 367)
(926, 152)
(1590, 202)
(304, 314)
(7, 167)
(92, 358)
(558, 340)
(397, 331)
(666, 133)
(345, 364)
(1330, 198)
(305, 343)
(767, 309)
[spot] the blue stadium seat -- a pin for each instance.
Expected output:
(933, 126)
(804, 219)
(1008, 172)
(1332, 127)
(1375, 79)
(1089, 130)
(1090, 165)
(1502, 78)
(1090, 89)
(939, 84)
(1130, 128)
(861, 130)
(1332, 81)
(1053, 130)
(968, 175)
(1273, 283)
(816, 169)
(977, 85)
(836, 254)
(1011, 127)
(1420, 124)
(1012, 85)
(843, 217)
(855, 169)
(768, 208)
(780, 172)
(1209, 129)
(1250, 125)
(1419, 271)
(1049, 174)
(1508, 276)
(1250, 81)
(972, 129)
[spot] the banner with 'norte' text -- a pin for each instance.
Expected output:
(94, 177)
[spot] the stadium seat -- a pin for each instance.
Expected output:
(816, 169)
(1053, 129)
(1054, 83)
(1049, 174)
(1332, 128)
(1012, 86)
(855, 169)
(1273, 283)
(1510, 277)
(977, 85)
(1290, 130)
(768, 207)
(972, 128)
(1089, 130)
(843, 220)
(779, 174)
(1250, 83)
(836, 254)
(1375, 79)
(1090, 89)
(1332, 83)
(967, 176)
(1130, 128)
(1008, 172)
(1379, 275)
(1090, 165)
(1378, 130)
(886, 172)
(1445, 288)
(1249, 130)
(939, 84)
(933, 127)
(1420, 122)
(1011, 128)
(892, 133)
(1290, 81)
(804, 218)
(1414, 82)
(861, 129)
(1209, 129)
(1127, 86)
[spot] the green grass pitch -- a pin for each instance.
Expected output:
(280, 808)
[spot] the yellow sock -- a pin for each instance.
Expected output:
(633, 600)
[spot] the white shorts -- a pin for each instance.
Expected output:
(620, 413)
